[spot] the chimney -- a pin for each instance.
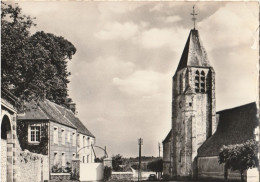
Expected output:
(72, 107)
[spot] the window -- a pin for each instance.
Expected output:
(78, 141)
(180, 83)
(197, 81)
(180, 157)
(190, 104)
(63, 159)
(34, 133)
(73, 139)
(202, 81)
(56, 158)
(84, 141)
(68, 137)
(83, 159)
(63, 136)
(73, 156)
(88, 141)
(55, 135)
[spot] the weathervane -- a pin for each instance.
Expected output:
(194, 18)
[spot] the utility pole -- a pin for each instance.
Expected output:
(140, 143)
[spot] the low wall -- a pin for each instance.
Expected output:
(122, 176)
(60, 176)
(209, 168)
(32, 167)
(144, 174)
(91, 171)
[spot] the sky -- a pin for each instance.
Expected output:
(127, 53)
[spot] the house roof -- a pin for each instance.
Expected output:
(235, 126)
(194, 53)
(168, 137)
(75, 120)
(47, 110)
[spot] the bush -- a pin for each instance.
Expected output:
(107, 173)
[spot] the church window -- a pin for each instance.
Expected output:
(180, 83)
(180, 157)
(190, 104)
(197, 81)
(202, 81)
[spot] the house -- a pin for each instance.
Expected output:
(53, 130)
(198, 132)
(167, 157)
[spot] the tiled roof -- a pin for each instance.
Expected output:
(47, 110)
(235, 126)
(168, 137)
(75, 120)
(193, 54)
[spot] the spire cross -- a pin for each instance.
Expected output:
(194, 14)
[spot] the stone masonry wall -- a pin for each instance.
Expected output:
(32, 167)
(192, 117)
(127, 176)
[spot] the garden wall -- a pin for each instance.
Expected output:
(91, 171)
(122, 176)
(32, 167)
(209, 168)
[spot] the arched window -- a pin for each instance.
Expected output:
(202, 81)
(197, 81)
(180, 84)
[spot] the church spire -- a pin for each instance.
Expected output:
(194, 53)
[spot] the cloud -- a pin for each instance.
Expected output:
(171, 37)
(117, 30)
(141, 83)
(172, 19)
(227, 23)
(157, 7)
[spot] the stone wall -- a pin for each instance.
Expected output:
(126, 176)
(209, 168)
(31, 167)
(60, 176)
(193, 118)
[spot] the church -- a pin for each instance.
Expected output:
(191, 148)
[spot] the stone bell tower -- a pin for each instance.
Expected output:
(193, 106)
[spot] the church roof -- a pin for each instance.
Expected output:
(235, 126)
(193, 54)
(168, 137)
(47, 110)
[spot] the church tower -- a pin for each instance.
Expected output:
(193, 106)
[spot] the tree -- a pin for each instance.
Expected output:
(240, 156)
(156, 166)
(33, 66)
(116, 162)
